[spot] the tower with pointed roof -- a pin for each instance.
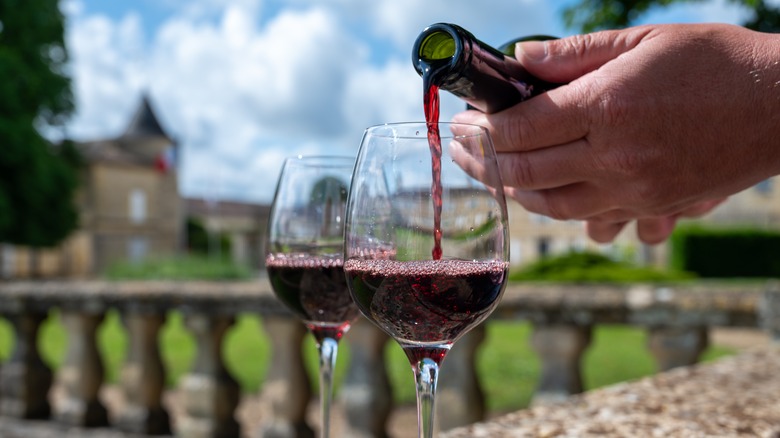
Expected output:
(144, 135)
(130, 203)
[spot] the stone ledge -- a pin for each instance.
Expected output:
(736, 396)
(685, 305)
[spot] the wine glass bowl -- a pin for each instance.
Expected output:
(426, 240)
(305, 255)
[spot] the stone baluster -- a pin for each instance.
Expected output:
(366, 393)
(287, 388)
(210, 395)
(769, 311)
(676, 346)
(143, 375)
(81, 374)
(460, 400)
(25, 379)
(560, 348)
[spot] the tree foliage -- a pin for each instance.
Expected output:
(591, 15)
(37, 179)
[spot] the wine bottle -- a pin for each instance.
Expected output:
(451, 58)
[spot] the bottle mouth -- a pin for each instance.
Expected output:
(436, 44)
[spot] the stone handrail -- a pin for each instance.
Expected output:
(677, 319)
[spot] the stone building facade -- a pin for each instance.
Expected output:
(243, 223)
(128, 201)
(531, 235)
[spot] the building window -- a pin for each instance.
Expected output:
(543, 247)
(137, 205)
(137, 248)
(515, 252)
(8, 260)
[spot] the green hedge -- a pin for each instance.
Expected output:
(590, 267)
(724, 253)
(191, 267)
(200, 242)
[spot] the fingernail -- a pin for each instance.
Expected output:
(531, 50)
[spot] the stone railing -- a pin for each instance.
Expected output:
(677, 320)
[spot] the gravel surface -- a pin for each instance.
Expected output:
(733, 397)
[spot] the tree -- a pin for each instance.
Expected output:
(591, 15)
(37, 179)
(328, 189)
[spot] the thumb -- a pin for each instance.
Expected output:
(566, 59)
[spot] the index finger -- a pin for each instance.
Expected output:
(556, 117)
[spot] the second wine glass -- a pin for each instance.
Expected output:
(304, 256)
(426, 241)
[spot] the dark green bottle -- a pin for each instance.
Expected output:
(451, 58)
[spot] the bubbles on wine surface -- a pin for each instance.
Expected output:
(313, 287)
(426, 301)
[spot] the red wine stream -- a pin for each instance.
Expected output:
(431, 106)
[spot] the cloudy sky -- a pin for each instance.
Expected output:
(242, 84)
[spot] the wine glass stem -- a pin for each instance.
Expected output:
(328, 349)
(427, 374)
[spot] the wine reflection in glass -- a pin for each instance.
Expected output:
(304, 256)
(426, 242)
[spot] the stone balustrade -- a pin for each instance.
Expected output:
(677, 319)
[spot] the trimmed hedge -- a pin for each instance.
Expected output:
(590, 267)
(724, 253)
(198, 238)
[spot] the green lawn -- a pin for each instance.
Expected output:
(507, 366)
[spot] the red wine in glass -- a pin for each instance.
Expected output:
(304, 256)
(426, 302)
(315, 289)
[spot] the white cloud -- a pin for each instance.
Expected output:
(241, 90)
(105, 66)
(240, 95)
(236, 96)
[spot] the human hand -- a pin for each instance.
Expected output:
(654, 121)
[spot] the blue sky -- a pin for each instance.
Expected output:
(243, 84)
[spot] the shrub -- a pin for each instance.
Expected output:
(199, 241)
(726, 252)
(178, 268)
(590, 267)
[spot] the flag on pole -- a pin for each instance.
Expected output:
(166, 160)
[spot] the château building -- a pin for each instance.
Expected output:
(128, 202)
(130, 208)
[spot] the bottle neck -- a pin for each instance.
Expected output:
(451, 58)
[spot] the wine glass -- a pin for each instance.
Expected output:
(426, 253)
(304, 256)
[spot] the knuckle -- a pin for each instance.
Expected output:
(522, 174)
(578, 45)
(613, 110)
(517, 132)
(625, 162)
(556, 206)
